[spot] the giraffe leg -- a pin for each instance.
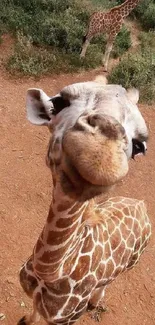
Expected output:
(108, 50)
(31, 319)
(97, 302)
(84, 47)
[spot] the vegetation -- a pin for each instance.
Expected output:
(49, 35)
(137, 70)
(102, 4)
(53, 28)
(122, 42)
(28, 59)
(145, 12)
(147, 40)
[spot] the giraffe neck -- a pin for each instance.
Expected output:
(62, 231)
(126, 7)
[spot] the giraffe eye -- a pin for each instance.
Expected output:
(138, 148)
(59, 104)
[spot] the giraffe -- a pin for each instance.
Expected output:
(88, 239)
(109, 22)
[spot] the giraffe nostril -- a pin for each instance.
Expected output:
(83, 122)
(92, 120)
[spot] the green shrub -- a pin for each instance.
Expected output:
(141, 8)
(149, 17)
(28, 60)
(147, 40)
(35, 61)
(122, 42)
(104, 4)
(145, 12)
(59, 23)
(137, 70)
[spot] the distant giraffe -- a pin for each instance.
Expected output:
(87, 240)
(109, 22)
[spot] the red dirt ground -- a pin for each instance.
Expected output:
(26, 188)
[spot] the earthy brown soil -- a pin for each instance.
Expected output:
(25, 195)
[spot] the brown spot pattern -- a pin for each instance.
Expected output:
(53, 256)
(82, 304)
(38, 246)
(109, 268)
(46, 268)
(96, 258)
(115, 239)
(85, 286)
(57, 237)
(52, 303)
(110, 225)
(95, 233)
(88, 244)
(100, 271)
(71, 305)
(117, 255)
(50, 215)
(82, 268)
(66, 222)
(60, 286)
(64, 205)
(76, 207)
(130, 240)
(38, 300)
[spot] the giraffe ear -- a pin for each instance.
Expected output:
(41, 109)
(133, 95)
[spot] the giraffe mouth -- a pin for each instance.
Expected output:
(138, 148)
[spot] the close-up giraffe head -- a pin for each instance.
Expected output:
(93, 128)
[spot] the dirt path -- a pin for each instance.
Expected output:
(25, 196)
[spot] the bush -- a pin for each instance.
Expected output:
(122, 42)
(147, 40)
(149, 17)
(137, 70)
(29, 60)
(46, 21)
(145, 12)
(104, 4)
